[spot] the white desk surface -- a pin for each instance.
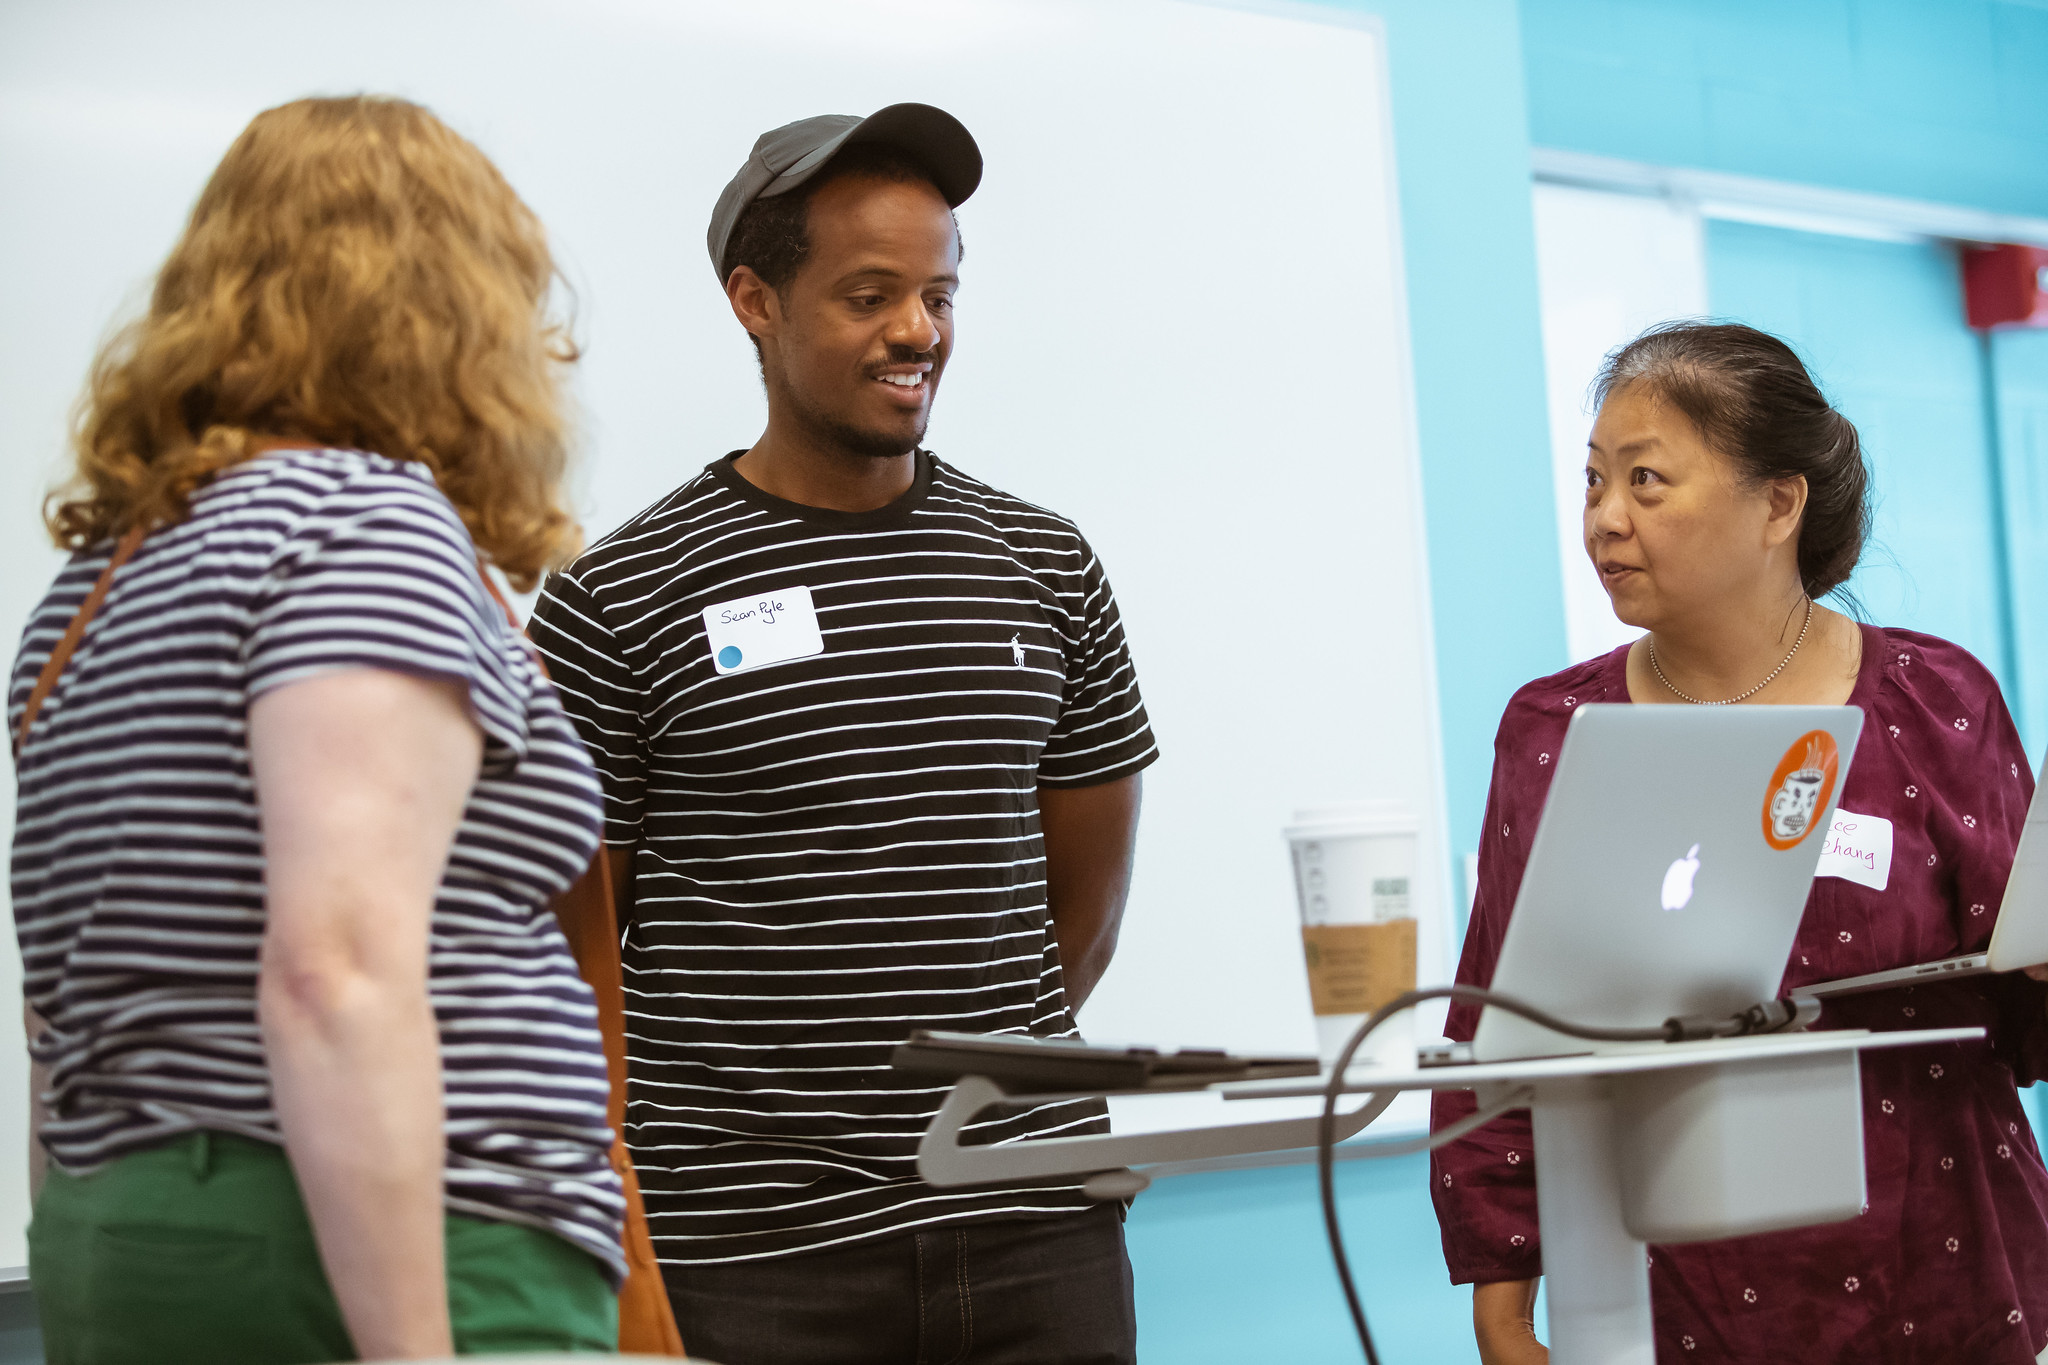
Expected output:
(1622, 1060)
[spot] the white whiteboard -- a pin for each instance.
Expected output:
(1608, 265)
(1181, 324)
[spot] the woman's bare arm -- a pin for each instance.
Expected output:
(361, 778)
(1504, 1320)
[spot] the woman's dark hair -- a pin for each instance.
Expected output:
(1753, 401)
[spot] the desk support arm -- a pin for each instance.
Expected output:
(943, 1161)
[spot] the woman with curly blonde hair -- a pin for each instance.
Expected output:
(316, 1074)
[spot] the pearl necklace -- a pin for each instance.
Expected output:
(1752, 691)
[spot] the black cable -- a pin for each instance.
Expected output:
(1771, 1017)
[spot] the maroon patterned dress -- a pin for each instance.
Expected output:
(1950, 1261)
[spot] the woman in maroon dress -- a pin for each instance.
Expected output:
(1724, 495)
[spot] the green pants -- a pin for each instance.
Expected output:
(200, 1251)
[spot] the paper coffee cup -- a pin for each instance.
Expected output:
(1354, 878)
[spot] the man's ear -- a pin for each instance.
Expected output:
(754, 302)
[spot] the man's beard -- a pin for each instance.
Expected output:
(873, 445)
(861, 441)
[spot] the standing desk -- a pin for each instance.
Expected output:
(1638, 1144)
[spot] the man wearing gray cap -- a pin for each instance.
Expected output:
(871, 739)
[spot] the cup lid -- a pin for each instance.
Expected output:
(1354, 818)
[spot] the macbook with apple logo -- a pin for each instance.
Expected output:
(1670, 869)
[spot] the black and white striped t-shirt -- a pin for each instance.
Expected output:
(839, 848)
(138, 860)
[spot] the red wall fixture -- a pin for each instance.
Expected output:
(2006, 286)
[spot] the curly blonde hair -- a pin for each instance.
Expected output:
(354, 274)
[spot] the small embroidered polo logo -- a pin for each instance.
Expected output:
(1017, 649)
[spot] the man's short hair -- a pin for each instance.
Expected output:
(773, 235)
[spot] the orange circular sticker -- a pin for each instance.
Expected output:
(1800, 789)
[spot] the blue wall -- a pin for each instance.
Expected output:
(1469, 237)
(1235, 1267)
(1925, 99)
(2017, 366)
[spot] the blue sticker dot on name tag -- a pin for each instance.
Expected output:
(763, 628)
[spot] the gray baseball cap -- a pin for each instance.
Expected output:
(795, 152)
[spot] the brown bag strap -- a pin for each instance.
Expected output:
(53, 667)
(647, 1323)
(483, 571)
(588, 918)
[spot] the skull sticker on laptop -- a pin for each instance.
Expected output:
(1800, 789)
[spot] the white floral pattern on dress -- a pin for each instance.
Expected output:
(1948, 1163)
(1447, 1179)
(1912, 791)
(2013, 1317)
(1977, 909)
(1905, 659)
(1514, 1158)
(1517, 1240)
(1686, 1342)
(1930, 860)
(1542, 760)
(1935, 1070)
(1894, 729)
(1885, 1105)
(1970, 821)
(1962, 724)
(1749, 1296)
(1908, 1011)
(2004, 1152)
(1954, 1245)
(1852, 1284)
(1909, 1329)
(1844, 935)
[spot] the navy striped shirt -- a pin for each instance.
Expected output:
(836, 849)
(138, 858)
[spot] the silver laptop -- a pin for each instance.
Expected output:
(1670, 868)
(2018, 939)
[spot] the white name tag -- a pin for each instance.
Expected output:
(764, 628)
(1858, 849)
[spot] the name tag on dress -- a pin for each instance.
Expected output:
(1858, 849)
(762, 628)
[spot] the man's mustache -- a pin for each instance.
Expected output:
(903, 355)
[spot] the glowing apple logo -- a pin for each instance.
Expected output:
(1678, 879)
